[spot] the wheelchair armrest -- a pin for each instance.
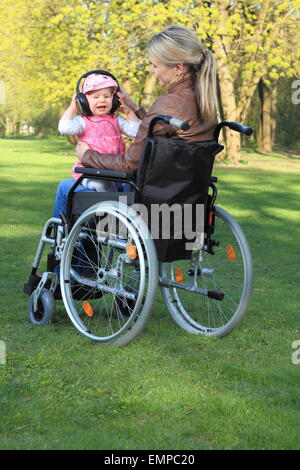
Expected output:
(93, 172)
(122, 176)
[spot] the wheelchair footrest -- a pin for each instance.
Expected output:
(32, 283)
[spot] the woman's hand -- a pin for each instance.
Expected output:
(130, 115)
(81, 147)
(124, 109)
(126, 100)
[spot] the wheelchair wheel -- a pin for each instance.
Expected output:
(228, 270)
(109, 273)
(45, 311)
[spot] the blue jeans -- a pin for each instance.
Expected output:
(60, 204)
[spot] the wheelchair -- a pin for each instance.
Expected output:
(106, 266)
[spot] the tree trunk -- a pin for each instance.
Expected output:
(232, 139)
(273, 114)
(148, 91)
(127, 86)
(266, 131)
(9, 126)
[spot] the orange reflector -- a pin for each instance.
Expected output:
(131, 251)
(230, 252)
(88, 309)
(178, 275)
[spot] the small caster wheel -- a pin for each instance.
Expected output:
(45, 311)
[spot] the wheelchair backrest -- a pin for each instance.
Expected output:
(175, 171)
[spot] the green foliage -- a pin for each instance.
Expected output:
(46, 45)
(261, 40)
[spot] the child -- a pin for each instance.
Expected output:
(102, 129)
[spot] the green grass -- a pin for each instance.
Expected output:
(167, 389)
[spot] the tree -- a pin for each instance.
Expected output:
(249, 44)
(12, 64)
(254, 41)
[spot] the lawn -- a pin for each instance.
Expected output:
(167, 389)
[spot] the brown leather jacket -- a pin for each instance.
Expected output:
(178, 102)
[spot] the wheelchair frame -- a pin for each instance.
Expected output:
(108, 283)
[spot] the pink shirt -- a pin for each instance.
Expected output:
(101, 133)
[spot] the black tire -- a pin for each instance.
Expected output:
(45, 312)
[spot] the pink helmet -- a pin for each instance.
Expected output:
(96, 81)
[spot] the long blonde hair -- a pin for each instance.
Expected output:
(179, 45)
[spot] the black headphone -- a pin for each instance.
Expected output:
(82, 101)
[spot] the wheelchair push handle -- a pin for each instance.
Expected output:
(184, 126)
(234, 126)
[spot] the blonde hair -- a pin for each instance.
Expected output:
(179, 45)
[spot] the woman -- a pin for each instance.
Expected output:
(187, 70)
